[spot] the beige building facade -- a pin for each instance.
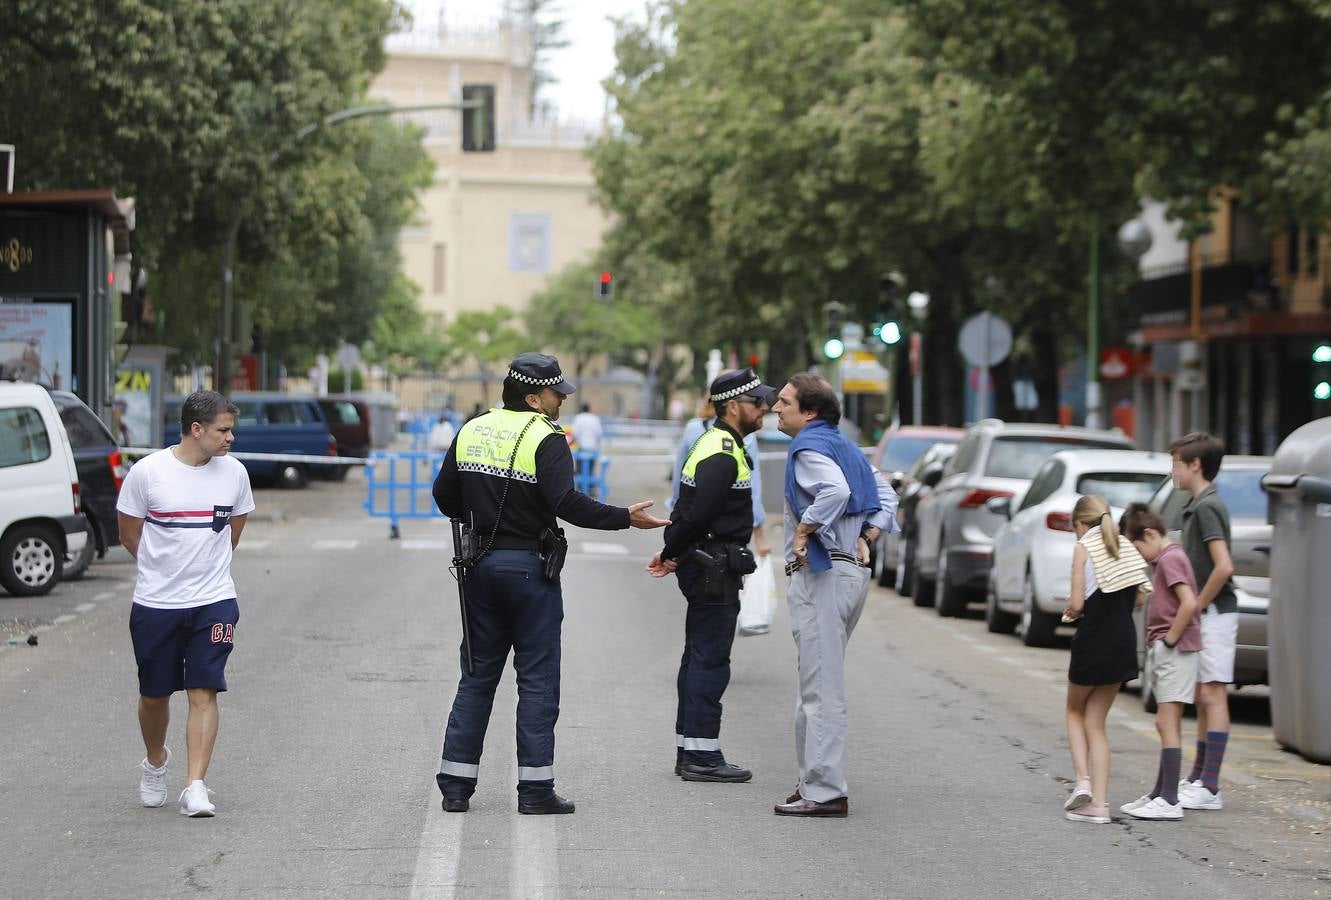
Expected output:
(494, 226)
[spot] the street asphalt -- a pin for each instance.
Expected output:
(344, 670)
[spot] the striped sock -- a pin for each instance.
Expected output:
(1215, 754)
(1171, 760)
(1198, 762)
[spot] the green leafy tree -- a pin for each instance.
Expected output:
(486, 339)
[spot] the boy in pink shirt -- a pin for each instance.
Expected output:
(1173, 639)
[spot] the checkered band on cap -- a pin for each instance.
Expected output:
(527, 379)
(736, 392)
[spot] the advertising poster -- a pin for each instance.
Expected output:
(134, 410)
(37, 343)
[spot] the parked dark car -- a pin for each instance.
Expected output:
(271, 423)
(101, 470)
(349, 422)
(895, 456)
(923, 476)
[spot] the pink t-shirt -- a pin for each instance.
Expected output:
(1171, 568)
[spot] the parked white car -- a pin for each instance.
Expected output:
(40, 520)
(1031, 573)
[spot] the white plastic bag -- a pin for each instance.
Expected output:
(757, 600)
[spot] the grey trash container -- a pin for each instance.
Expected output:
(1299, 626)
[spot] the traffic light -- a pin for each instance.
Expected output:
(605, 286)
(834, 347)
(888, 332)
(478, 124)
(1322, 372)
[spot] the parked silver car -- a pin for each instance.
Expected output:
(1239, 484)
(954, 535)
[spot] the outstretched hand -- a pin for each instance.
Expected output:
(659, 568)
(640, 518)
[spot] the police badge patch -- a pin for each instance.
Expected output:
(727, 444)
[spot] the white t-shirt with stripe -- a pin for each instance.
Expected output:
(185, 552)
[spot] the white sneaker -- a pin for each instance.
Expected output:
(152, 785)
(1184, 784)
(1080, 796)
(194, 801)
(1135, 804)
(1159, 808)
(1197, 796)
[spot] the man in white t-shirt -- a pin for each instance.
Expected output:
(181, 511)
(587, 429)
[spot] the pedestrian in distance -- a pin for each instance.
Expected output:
(836, 506)
(441, 435)
(1109, 578)
(508, 477)
(181, 513)
(1173, 639)
(706, 546)
(587, 429)
(1207, 541)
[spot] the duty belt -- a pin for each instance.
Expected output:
(837, 556)
(505, 542)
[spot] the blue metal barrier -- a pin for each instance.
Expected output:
(589, 471)
(400, 486)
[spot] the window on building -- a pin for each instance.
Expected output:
(1246, 243)
(529, 242)
(1293, 244)
(440, 270)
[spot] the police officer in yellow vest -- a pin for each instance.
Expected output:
(706, 546)
(509, 475)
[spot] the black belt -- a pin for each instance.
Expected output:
(837, 556)
(504, 542)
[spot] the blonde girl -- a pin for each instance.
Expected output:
(1107, 575)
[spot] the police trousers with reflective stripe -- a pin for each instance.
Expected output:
(704, 670)
(510, 607)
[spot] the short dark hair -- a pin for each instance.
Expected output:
(515, 394)
(814, 394)
(1137, 518)
(586, 407)
(204, 407)
(1200, 445)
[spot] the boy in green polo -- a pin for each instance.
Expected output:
(1206, 540)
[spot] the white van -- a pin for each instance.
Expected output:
(40, 519)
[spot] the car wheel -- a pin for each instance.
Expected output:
(905, 569)
(995, 619)
(31, 560)
(291, 475)
(1037, 626)
(339, 473)
(882, 574)
(77, 564)
(948, 599)
(921, 588)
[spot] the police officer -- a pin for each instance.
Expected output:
(508, 475)
(706, 546)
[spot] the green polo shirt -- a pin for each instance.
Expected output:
(1206, 519)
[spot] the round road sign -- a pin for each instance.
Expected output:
(985, 340)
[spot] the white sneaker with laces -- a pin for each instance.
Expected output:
(1080, 796)
(152, 783)
(1198, 796)
(1159, 809)
(194, 801)
(1134, 804)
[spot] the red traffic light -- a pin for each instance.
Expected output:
(753, 360)
(606, 278)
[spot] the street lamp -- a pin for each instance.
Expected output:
(918, 301)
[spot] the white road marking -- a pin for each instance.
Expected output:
(62, 619)
(436, 872)
(85, 607)
(962, 636)
(335, 545)
(419, 544)
(604, 549)
(987, 648)
(252, 545)
(104, 595)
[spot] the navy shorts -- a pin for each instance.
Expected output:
(177, 649)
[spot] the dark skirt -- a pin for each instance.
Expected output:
(1104, 649)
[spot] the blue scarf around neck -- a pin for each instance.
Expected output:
(821, 437)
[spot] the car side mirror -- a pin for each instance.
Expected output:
(1001, 506)
(897, 480)
(931, 476)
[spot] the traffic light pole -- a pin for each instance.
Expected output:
(226, 338)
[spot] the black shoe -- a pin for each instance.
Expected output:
(679, 769)
(555, 806)
(456, 804)
(723, 772)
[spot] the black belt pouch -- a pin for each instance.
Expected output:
(554, 549)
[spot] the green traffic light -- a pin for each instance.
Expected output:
(1322, 353)
(834, 348)
(1322, 391)
(890, 333)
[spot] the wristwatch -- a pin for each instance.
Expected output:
(1166, 642)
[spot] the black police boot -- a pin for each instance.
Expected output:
(456, 804)
(555, 806)
(721, 772)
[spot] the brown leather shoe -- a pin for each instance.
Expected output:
(832, 809)
(793, 798)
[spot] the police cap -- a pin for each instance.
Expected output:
(741, 383)
(537, 370)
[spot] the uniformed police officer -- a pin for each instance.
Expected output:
(706, 546)
(508, 475)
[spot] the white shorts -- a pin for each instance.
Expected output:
(1220, 638)
(1173, 672)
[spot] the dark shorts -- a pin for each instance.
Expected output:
(177, 649)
